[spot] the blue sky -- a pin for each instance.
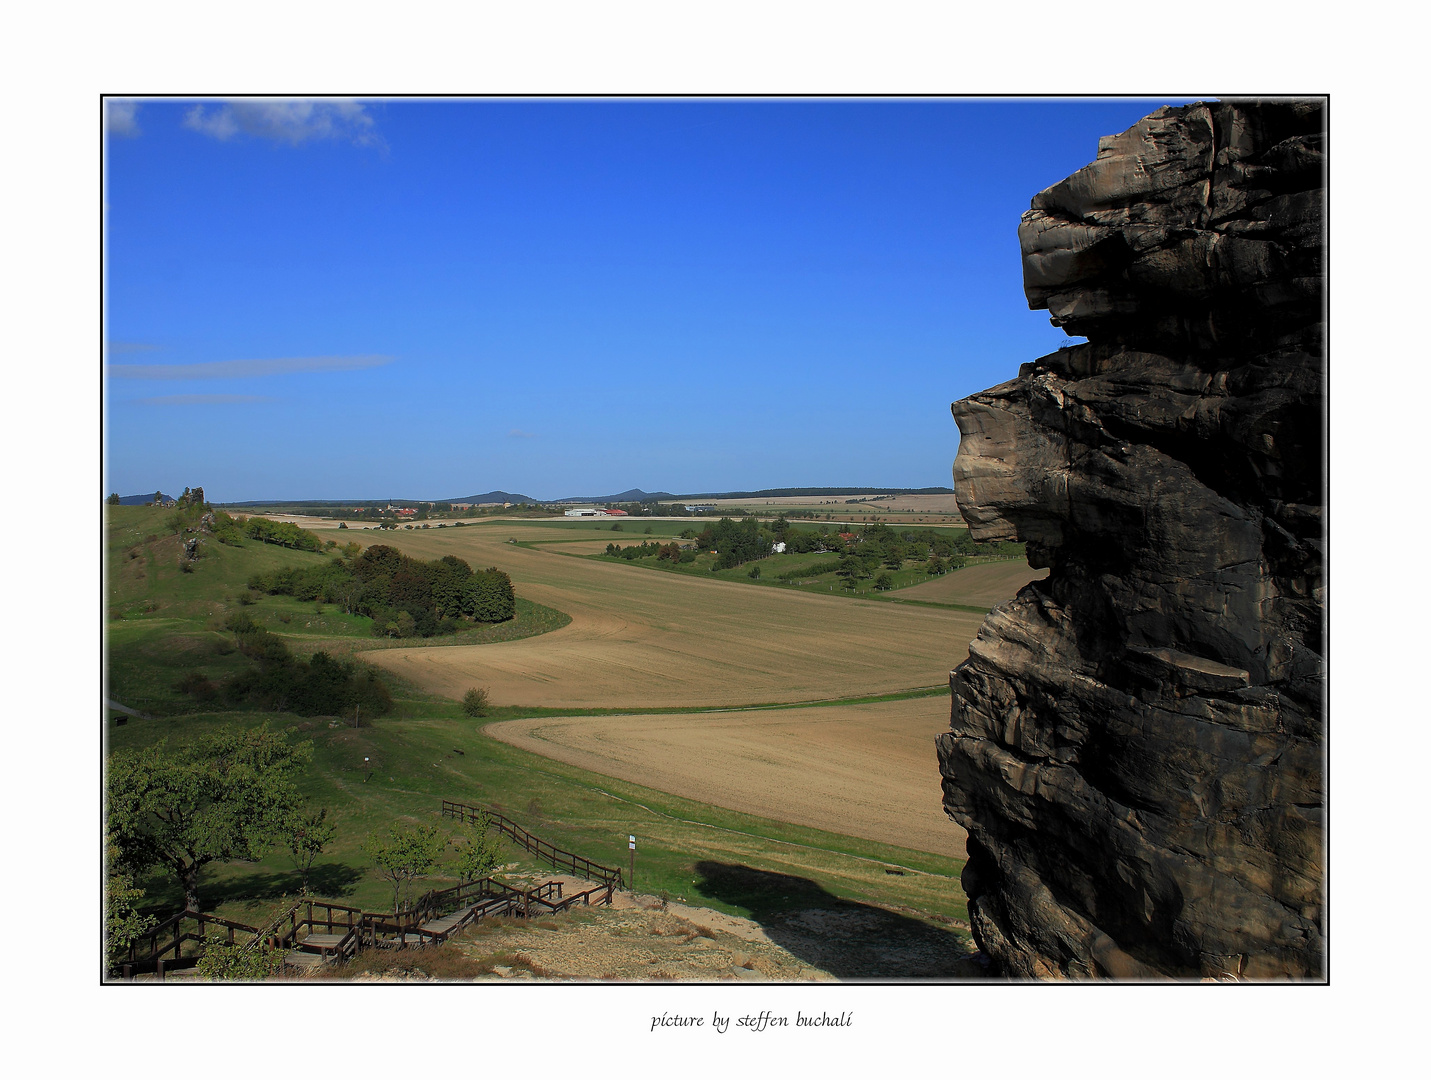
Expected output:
(429, 299)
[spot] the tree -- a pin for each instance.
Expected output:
(407, 851)
(480, 854)
(493, 597)
(122, 923)
(113, 499)
(224, 796)
(476, 701)
(309, 834)
(884, 583)
(936, 566)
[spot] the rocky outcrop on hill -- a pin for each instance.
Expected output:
(1136, 741)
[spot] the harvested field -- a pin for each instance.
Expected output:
(644, 639)
(980, 585)
(862, 770)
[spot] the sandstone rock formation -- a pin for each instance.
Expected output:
(1136, 744)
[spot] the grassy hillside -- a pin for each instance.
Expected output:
(164, 623)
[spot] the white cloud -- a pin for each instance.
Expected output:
(120, 118)
(518, 433)
(246, 369)
(287, 120)
(202, 399)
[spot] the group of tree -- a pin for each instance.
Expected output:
(318, 686)
(282, 533)
(404, 597)
(736, 542)
(670, 551)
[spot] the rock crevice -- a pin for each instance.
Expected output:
(1136, 742)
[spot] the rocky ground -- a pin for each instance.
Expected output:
(643, 938)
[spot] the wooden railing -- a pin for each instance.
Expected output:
(559, 859)
(162, 948)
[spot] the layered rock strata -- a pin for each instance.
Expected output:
(1136, 742)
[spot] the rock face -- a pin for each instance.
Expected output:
(1136, 742)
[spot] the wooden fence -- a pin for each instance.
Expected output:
(559, 859)
(162, 948)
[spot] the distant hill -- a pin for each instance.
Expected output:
(633, 495)
(491, 497)
(140, 500)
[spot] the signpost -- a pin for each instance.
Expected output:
(631, 841)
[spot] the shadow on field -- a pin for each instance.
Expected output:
(845, 938)
(332, 881)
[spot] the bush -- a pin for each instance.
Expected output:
(476, 701)
(754, 572)
(233, 962)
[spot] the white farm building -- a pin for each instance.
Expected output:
(586, 511)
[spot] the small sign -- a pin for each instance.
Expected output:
(632, 845)
(631, 838)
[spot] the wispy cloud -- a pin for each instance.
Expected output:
(203, 399)
(287, 120)
(130, 347)
(247, 369)
(120, 118)
(518, 433)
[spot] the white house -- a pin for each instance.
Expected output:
(586, 511)
(778, 547)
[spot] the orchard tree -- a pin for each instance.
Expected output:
(225, 796)
(308, 835)
(406, 851)
(480, 854)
